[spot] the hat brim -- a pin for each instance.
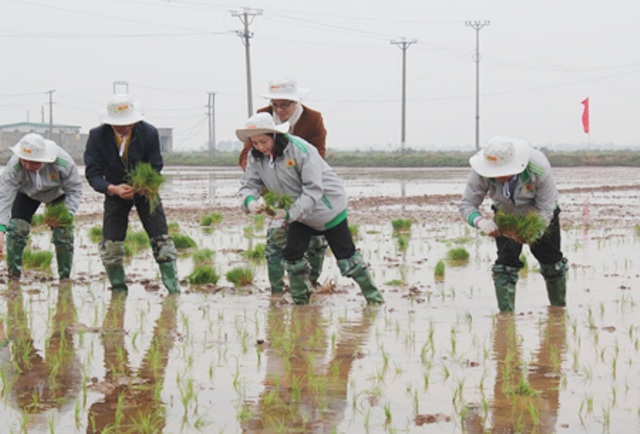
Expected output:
(244, 134)
(293, 96)
(518, 163)
(129, 119)
(50, 153)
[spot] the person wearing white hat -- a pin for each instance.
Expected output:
(113, 149)
(518, 180)
(38, 172)
(286, 164)
(285, 105)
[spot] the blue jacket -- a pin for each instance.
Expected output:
(103, 165)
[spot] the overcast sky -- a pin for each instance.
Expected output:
(539, 60)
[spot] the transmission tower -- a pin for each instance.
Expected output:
(246, 17)
(477, 26)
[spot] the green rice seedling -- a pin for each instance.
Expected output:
(525, 269)
(183, 241)
(240, 276)
(258, 221)
(401, 225)
(458, 255)
(211, 219)
(137, 241)
(37, 220)
(57, 215)
(637, 229)
(524, 229)
(173, 228)
(403, 242)
(37, 259)
(439, 270)
(95, 234)
(202, 256)
(275, 201)
(256, 253)
(146, 181)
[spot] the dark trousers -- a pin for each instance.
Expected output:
(116, 217)
(546, 249)
(299, 235)
(24, 207)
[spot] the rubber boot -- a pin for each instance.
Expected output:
(112, 255)
(505, 278)
(165, 254)
(63, 240)
(299, 282)
(315, 255)
(555, 277)
(17, 234)
(276, 242)
(356, 268)
(169, 273)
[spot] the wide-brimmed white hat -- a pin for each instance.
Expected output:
(285, 88)
(261, 123)
(121, 110)
(34, 147)
(501, 156)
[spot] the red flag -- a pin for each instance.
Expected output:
(585, 115)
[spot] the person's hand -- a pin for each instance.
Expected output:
(122, 190)
(280, 214)
(255, 207)
(1, 242)
(488, 227)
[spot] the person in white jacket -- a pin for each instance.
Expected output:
(287, 164)
(39, 172)
(518, 180)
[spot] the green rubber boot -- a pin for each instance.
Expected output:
(555, 277)
(299, 282)
(63, 240)
(169, 273)
(356, 268)
(276, 242)
(17, 234)
(112, 255)
(505, 278)
(315, 255)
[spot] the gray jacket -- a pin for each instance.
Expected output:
(320, 200)
(534, 191)
(57, 178)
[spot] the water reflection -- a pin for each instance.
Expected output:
(303, 392)
(525, 401)
(40, 382)
(132, 401)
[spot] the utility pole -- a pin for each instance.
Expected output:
(477, 26)
(212, 123)
(403, 43)
(50, 92)
(246, 17)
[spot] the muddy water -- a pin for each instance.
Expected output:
(434, 358)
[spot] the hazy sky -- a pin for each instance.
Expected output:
(539, 60)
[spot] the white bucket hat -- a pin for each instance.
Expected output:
(501, 156)
(34, 147)
(121, 110)
(285, 88)
(261, 123)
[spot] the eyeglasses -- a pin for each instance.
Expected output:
(281, 105)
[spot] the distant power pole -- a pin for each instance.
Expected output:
(477, 26)
(403, 44)
(211, 111)
(122, 83)
(246, 17)
(50, 92)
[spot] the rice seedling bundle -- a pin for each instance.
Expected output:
(146, 181)
(275, 201)
(523, 229)
(57, 215)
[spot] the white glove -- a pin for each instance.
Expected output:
(255, 207)
(488, 226)
(280, 215)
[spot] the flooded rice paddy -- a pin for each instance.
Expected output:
(435, 358)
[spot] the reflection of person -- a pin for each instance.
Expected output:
(49, 380)
(113, 149)
(287, 164)
(39, 172)
(514, 395)
(285, 106)
(296, 365)
(140, 390)
(518, 180)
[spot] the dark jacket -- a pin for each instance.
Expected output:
(103, 165)
(310, 127)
